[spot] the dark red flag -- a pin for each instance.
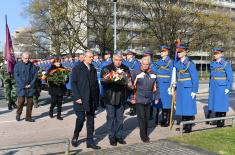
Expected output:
(9, 54)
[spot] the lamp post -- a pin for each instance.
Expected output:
(115, 23)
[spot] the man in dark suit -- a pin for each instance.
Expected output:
(85, 91)
(25, 75)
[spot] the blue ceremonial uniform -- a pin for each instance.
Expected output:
(221, 78)
(164, 73)
(133, 64)
(153, 67)
(69, 65)
(187, 82)
(105, 63)
(97, 64)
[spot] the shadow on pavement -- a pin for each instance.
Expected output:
(10, 152)
(64, 108)
(5, 111)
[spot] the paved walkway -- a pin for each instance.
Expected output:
(47, 129)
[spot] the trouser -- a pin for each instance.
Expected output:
(89, 124)
(115, 120)
(21, 100)
(187, 127)
(166, 117)
(143, 114)
(56, 101)
(208, 116)
(220, 123)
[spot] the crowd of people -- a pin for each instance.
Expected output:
(117, 79)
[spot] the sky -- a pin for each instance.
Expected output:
(14, 10)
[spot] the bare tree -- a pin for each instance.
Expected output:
(193, 22)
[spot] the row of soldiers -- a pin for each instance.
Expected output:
(221, 78)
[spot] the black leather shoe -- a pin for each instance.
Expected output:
(146, 140)
(74, 142)
(29, 120)
(121, 141)
(113, 142)
(59, 118)
(18, 118)
(93, 146)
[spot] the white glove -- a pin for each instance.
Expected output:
(169, 91)
(226, 91)
(193, 95)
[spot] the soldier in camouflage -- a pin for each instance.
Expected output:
(9, 88)
(38, 85)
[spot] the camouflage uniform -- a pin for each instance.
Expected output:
(1, 76)
(9, 87)
(38, 87)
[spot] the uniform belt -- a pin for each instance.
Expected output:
(184, 79)
(163, 76)
(218, 78)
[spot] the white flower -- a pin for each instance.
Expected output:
(120, 71)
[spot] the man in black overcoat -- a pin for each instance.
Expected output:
(85, 91)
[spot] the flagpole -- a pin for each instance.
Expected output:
(5, 53)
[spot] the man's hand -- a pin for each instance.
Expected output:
(79, 101)
(27, 86)
(156, 101)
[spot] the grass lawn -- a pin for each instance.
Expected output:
(220, 140)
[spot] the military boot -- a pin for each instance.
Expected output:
(9, 106)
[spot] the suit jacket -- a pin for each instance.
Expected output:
(85, 87)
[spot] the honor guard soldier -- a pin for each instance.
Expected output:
(97, 64)
(38, 85)
(221, 80)
(106, 61)
(164, 72)
(106, 58)
(186, 87)
(153, 68)
(134, 65)
(124, 61)
(68, 85)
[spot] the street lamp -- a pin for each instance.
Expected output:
(115, 23)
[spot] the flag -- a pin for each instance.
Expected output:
(9, 55)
